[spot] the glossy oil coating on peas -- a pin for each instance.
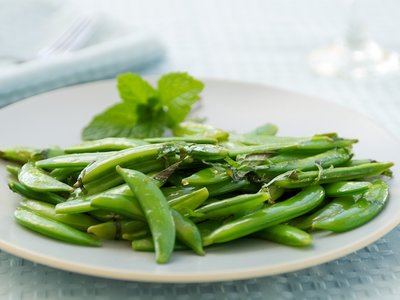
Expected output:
(283, 211)
(201, 187)
(156, 210)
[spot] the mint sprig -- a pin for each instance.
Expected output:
(146, 111)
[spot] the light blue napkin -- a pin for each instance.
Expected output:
(28, 26)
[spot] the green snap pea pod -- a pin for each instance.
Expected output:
(25, 154)
(26, 192)
(72, 160)
(207, 176)
(74, 206)
(362, 211)
(53, 228)
(127, 206)
(146, 244)
(357, 162)
(275, 214)
(39, 181)
(186, 139)
(230, 206)
(105, 215)
(206, 152)
(209, 226)
(144, 233)
(19, 154)
(265, 129)
(189, 202)
(62, 174)
(106, 144)
(330, 209)
(334, 157)
(187, 232)
(101, 184)
(78, 221)
(346, 188)
(113, 179)
(284, 157)
(115, 230)
(224, 187)
(172, 192)
(156, 210)
(13, 170)
(276, 143)
(122, 157)
(140, 234)
(83, 203)
(199, 129)
(286, 235)
(329, 175)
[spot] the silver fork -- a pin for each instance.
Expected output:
(72, 38)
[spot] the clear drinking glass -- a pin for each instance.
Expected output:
(355, 55)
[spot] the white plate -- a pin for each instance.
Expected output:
(57, 118)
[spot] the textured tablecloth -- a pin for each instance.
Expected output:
(266, 42)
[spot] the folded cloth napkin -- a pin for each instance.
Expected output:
(106, 49)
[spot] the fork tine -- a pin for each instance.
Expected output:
(78, 39)
(68, 36)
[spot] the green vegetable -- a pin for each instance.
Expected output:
(37, 180)
(362, 211)
(54, 229)
(144, 110)
(286, 235)
(284, 211)
(156, 210)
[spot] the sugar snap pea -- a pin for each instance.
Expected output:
(13, 170)
(334, 157)
(187, 232)
(74, 206)
(207, 176)
(116, 229)
(188, 139)
(106, 144)
(362, 211)
(72, 160)
(280, 212)
(156, 211)
(53, 228)
(199, 129)
(39, 181)
(329, 210)
(329, 175)
(78, 221)
(230, 206)
(147, 244)
(190, 201)
(101, 167)
(276, 143)
(19, 154)
(286, 235)
(346, 188)
(26, 192)
(122, 204)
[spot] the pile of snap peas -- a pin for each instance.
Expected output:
(196, 188)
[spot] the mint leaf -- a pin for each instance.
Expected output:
(178, 92)
(145, 111)
(134, 90)
(116, 121)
